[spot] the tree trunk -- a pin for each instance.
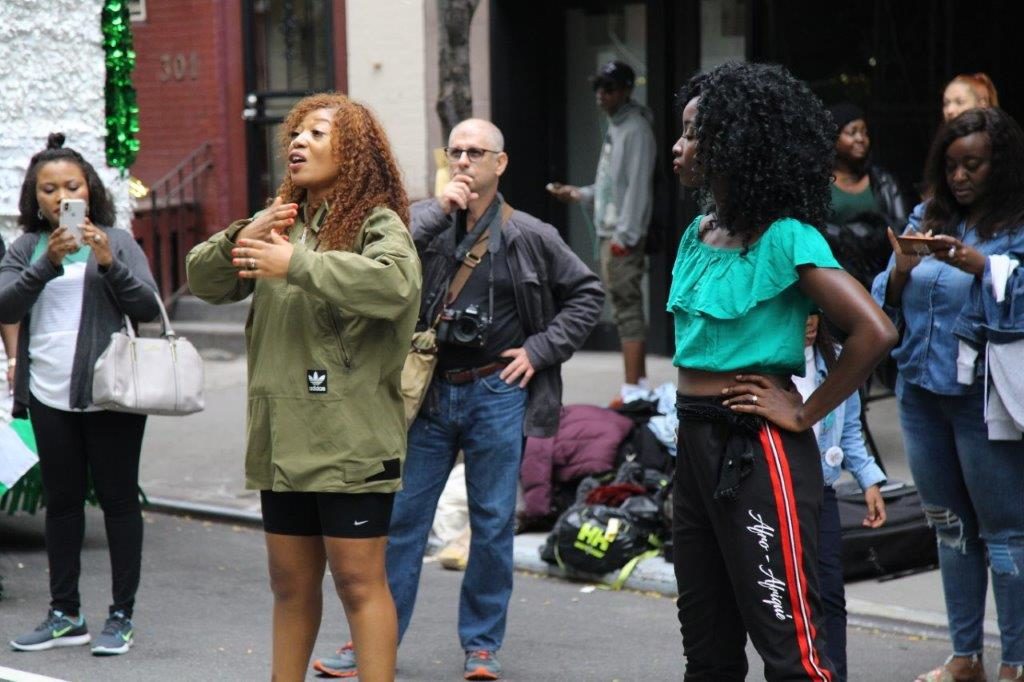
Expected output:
(455, 99)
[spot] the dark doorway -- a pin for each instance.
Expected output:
(288, 54)
(894, 59)
(542, 101)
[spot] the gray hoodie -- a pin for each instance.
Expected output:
(623, 191)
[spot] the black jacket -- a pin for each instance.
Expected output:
(558, 298)
(892, 202)
(861, 245)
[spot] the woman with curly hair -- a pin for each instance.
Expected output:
(748, 482)
(335, 282)
(970, 478)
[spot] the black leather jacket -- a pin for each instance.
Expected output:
(892, 202)
(861, 245)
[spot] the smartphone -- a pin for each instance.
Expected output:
(921, 245)
(72, 215)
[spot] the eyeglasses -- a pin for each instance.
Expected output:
(474, 154)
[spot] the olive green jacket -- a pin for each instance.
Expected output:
(326, 348)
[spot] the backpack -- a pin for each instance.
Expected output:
(597, 538)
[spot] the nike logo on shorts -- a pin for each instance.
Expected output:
(359, 523)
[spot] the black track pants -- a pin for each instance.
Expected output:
(746, 565)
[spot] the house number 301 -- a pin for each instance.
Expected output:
(179, 66)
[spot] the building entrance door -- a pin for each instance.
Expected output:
(288, 54)
(544, 103)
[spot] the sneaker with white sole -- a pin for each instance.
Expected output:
(342, 664)
(117, 637)
(57, 630)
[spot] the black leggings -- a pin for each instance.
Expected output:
(746, 507)
(74, 446)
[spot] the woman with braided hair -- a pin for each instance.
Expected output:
(748, 483)
(335, 282)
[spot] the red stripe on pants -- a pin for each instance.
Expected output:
(792, 551)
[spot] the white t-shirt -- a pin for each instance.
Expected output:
(53, 336)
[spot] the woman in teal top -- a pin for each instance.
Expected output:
(748, 480)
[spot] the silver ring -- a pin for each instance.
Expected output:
(96, 238)
(252, 263)
(753, 400)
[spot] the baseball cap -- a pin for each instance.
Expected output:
(614, 75)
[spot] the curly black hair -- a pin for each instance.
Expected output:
(766, 146)
(1004, 194)
(101, 206)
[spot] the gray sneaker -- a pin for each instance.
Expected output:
(56, 630)
(117, 636)
(342, 664)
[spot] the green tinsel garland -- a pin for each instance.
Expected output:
(122, 109)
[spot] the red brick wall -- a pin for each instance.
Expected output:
(191, 88)
(189, 80)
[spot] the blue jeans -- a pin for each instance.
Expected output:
(972, 490)
(484, 419)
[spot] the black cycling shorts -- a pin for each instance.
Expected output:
(336, 515)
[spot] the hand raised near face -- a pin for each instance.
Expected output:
(277, 217)
(457, 193)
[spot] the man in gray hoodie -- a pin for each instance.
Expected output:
(620, 201)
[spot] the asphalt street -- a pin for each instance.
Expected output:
(203, 613)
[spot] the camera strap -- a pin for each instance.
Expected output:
(488, 237)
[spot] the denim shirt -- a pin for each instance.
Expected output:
(841, 428)
(932, 300)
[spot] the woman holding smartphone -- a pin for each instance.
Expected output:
(971, 486)
(69, 297)
(335, 282)
(748, 482)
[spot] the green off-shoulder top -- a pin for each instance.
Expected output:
(736, 310)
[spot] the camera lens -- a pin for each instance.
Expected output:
(465, 329)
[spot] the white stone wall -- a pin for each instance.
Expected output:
(52, 76)
(386, 70)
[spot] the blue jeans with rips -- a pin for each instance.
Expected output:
(484, 419)
(972, 490)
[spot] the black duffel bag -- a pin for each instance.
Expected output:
(904, 544)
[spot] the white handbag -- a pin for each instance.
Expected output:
(162, 375)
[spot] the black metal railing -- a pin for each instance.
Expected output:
(168, 220)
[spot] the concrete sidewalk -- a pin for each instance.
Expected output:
(196, 463)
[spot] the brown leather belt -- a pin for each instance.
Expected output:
(464, 376)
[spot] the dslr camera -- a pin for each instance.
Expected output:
(467, 327)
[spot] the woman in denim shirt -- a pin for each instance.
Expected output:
(841, 442)
(972, 487)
